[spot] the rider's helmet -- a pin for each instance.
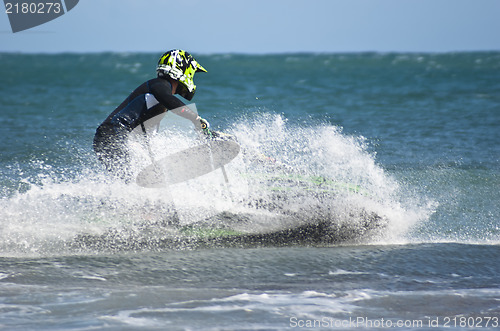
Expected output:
(180, 66)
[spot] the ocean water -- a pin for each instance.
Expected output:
(411, 138)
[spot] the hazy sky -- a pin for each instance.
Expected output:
(264, 26)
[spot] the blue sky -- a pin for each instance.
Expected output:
(264, 26)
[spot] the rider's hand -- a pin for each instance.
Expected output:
(203, 125)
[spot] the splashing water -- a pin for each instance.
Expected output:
(326, 156)
(285, 177)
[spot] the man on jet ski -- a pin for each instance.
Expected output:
(175, 72)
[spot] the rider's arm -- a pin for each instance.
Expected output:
(162, 90)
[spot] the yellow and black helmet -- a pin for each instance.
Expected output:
(180, 66)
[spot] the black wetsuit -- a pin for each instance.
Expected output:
(145, 102)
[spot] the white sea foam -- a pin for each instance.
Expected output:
(51, 212)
